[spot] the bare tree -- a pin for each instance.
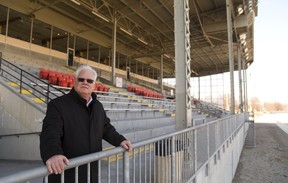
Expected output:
(255, 104)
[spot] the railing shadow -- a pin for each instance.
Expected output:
(28, 83)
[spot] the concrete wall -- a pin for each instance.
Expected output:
(24, 117)
(222, 165)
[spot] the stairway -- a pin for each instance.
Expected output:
(250, 140)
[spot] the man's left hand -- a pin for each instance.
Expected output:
(127, 145)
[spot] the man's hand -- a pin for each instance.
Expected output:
(56, 164)
(127, 145)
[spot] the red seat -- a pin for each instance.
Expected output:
(130, 88)
(70, 84)
(62, 81)
(43, 74)
(52, 78)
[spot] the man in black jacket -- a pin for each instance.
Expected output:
(75, 125)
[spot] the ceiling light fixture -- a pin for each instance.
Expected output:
(240, 9)
(100, 16)
(142, 41)
(167, 56)
(243, 36)
(76, 2)
(126, 31)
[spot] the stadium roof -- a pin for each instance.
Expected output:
(145, 28)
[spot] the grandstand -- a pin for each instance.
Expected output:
(176, 138)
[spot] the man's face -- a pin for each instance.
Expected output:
(83, 85)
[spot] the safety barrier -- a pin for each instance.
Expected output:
(203, 153)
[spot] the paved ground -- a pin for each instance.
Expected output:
(268, 161)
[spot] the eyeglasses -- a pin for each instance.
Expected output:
(90, 81)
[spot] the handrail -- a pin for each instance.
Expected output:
(232, 124)
(19, 76)
(20, 134)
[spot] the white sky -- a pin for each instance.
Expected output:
(268, 75)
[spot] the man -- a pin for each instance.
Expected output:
(75, 125)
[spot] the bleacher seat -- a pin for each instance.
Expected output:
(144, 92)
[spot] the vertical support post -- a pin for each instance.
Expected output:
(183, 70)
(208, 147)
(173, 160)
(113, 47)
(99, 54)
(199, 88)
(136, 67)
(211, 87)
(7, 25)
(231, 56)
(31, 32)
(161, 74)
(74, 42)
(1, 63)
(245, 90)
(223, 89)
(240, 80)
(118, 63)
(87, 53)
(68, 41)
(195, 158)
(142, 69)
(126, 176)
(51, 38)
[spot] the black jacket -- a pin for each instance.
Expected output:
(72, 129)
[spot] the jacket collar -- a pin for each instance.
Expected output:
(79, 99)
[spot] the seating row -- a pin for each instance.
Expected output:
(57, 78)
(65, 80)
(144, 92)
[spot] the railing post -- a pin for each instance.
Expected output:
(126, 168)
(1, 62)
(173, 159)
(208, 147)
(47, 96)
(20, 81)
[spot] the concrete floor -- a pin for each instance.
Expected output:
(268, 161)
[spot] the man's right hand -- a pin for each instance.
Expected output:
(56, 164)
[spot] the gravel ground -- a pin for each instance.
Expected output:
(268, 161)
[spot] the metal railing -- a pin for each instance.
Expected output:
(20, 134)
(283, 126)
(175, 157)
(29, 83)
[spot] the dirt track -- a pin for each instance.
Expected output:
(268, 161)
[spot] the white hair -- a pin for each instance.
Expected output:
(86, 67)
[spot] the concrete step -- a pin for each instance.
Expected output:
(129, 125)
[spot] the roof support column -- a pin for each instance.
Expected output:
(245, 90)
(183, 71)
(87, 48)
(113, 48)
(161, 74)
(240, 80)
(231, 56)
(136, 65)
(99, 53)
(211, 90)
(7, 26)
(199, 88)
